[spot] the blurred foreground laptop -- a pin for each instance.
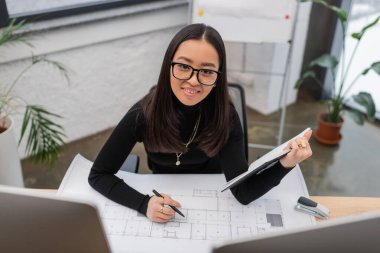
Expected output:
(34, 222)
(359, 233)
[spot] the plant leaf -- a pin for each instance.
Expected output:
(342, 14)
(25, 123)
(11, 34)
(357, 116)
(365, 99)
(375, 66)
(307, 74)
(44, 138)
(59, 66)
(325, 61)
(360, 34)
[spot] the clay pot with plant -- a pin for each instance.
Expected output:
(331, 121)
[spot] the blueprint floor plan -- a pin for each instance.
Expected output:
(219, 218)
(211, 216)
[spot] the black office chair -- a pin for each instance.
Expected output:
(238, 99)
(131, 164)
(237, 95)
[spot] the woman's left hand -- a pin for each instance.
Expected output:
(299, 150)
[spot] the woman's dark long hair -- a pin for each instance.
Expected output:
(162, 120)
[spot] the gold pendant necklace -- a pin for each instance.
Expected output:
(178, 162)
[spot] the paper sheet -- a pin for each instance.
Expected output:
(210, 216)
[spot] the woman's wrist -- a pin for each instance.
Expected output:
(287, 166)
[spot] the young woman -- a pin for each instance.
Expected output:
(188, 125)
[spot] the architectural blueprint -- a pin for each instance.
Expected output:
(220, 218)
(210, 215)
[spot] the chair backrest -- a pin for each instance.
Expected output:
(238, 99)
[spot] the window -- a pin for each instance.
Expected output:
(34, 10)
(362, 13)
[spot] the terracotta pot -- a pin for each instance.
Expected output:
(10, 166)
(328, 133)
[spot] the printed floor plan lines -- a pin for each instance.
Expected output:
(208, 216)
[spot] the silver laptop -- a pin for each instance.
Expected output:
(34, 222)
(351, 234)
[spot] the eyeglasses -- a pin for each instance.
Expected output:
(183, 71)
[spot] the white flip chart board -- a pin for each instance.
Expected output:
(248, 20)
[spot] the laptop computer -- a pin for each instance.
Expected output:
(34, 222)
(350, 234)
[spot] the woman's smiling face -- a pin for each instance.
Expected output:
(198, 54)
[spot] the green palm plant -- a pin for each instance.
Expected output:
(338, 96)
(43, 136)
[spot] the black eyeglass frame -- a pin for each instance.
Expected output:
(192, 73)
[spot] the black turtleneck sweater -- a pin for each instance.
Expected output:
(230, 160)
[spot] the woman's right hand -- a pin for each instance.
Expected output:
(158, 209)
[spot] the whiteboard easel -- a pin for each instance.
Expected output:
(273, 21)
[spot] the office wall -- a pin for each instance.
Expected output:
(114, 62)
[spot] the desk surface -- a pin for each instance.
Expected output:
(339, 206)
(345, 206)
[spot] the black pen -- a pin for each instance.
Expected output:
(173, 207)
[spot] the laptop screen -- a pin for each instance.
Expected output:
(352, 234)
(33, 222)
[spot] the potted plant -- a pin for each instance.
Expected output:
(44, 137)
(330, 122)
